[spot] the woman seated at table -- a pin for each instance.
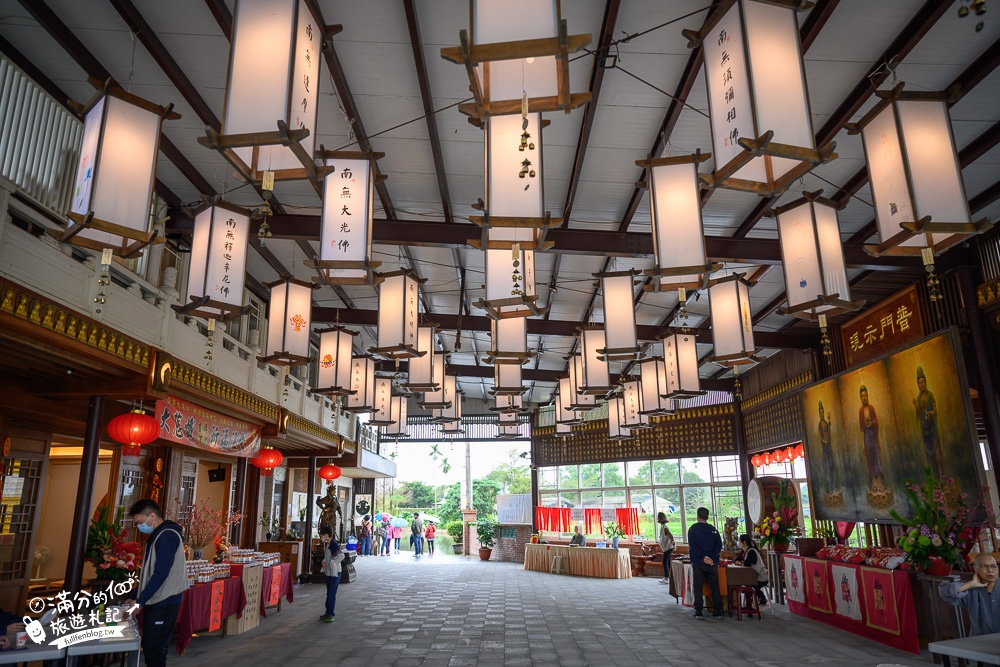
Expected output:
(750, 557)
(579, 539)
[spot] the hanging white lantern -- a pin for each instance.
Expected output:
(398, 311)
(435, 399)
(577, 400)
(564, 430)
(453, 412)
(616, 417)
(382, 406)
(509, 431)
(680, 363)
(218, 263)
(515, 48)
(762, 132)
(115, 174)
(634, 416)
(272, 89)
(452, 429)
(596, 378)
(732, 326)
(362, 397)
(619, 318)
(510, 284)
(289, 322)
(654, 386)
(345, 255)
(509, 403)
(509, 342)
(677, 226)
(563, 397)
(336, 348)
(813, 258)
(397, 429)
(915, 174)
(507, 380)
(420, 375)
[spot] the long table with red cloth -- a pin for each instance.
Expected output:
(870, 602)
(206, 606)
(272, 589)
(581, 561)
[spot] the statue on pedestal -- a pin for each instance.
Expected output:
(331, 513)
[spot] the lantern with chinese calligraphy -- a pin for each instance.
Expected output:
(633, 415)
(619, 317)
(453, 398)
(397, 429)
(362, 396)
(116, 172)
(336, 348)
(509, 342)
(398, 311)
(346, 221)
(329, 472)
(269, 117)
(507, 380)
(381, 408)
(680, 361)
(653, 376)
(510, 283)
(576, 400)
(267, 460)
(420, 375)
(218, 263)
(596, 378)
(133, 430)
(678, 230)
(915, 174)
(289, 321)
(813, 258)
(732, 326)
(762, 132)
(616, 417)
(517, 53)
(435, 400)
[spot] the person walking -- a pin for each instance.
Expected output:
(749, 556)
(705, 545)
(397, 536)
(379, 538)
(429, 534)
(162, 580)
(365, 547)
(387, 542)
(333, 556)
(417, 535)
(666, 540)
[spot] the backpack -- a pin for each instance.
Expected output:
(759, 567)
(414, 529)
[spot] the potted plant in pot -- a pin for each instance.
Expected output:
(614, 531)
(777, 530)
(930, 540)
(113, 557)
(486, 529)
(455, 530)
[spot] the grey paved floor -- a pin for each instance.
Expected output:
(450, 610)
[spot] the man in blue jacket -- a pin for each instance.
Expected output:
(705, 545)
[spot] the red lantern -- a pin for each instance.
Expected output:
(133, 430)
(767, 458)
(755, 460)
(267, 460)
(778, 456)
(329, 472)
(799, 451)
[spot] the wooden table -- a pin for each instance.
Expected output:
(984, 648)
(581, 561)
(730, 576)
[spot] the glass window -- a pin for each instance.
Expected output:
(614, 474)
(806, 511)
(547, 478)
(638, 473)
(694, 470)
(799, 468)
(549, 499)
(666, 472)
(642, 500)
(695, 497)
(668, 501)
(614, 498)
(567, 477)
(569, 499)
(729, 503)
(592, 499)
(590, 476)
(726, 468)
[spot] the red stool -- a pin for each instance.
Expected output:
(745, 602)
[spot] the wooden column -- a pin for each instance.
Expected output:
(981, 367)
(310, 504)
(84, 494)
(746, 470)
(239, 503)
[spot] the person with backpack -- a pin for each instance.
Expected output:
(666, 540)
(387, 537)
(365, 543)
(417, 535)
(750, 557)
(333, 556)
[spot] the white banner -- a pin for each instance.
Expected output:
(845, 587)
(607, 513)
(794, 589)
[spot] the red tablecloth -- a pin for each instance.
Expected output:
(195, 611)
(286, 589)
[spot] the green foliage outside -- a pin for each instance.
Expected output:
(486, 530)
(454, 530)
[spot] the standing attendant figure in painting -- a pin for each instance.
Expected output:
(825, 435)
(926, 408)
(868, 419)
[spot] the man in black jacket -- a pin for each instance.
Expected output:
(705, 544)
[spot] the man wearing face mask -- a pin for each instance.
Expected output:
(162, 581)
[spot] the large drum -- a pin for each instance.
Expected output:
(760, 497)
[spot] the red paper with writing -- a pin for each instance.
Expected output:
(215, 610)
(275, 593)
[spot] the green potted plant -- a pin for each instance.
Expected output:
(486, 529)
(777, 530)
(455, 529)
(270, 525)
(614, 531)
(930, 539)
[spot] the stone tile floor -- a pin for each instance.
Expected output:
(447, 610)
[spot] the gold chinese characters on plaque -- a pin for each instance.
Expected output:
(891, 324)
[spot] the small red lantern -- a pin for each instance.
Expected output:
(329, 472)
(790, 454)
(755, 460)
(799, 451)
(267, 460)
(767, 458)
(133, 430)
(778, 456)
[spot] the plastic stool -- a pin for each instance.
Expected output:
(746, 602)
(558, 565)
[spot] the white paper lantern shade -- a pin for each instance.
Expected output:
(680, 365)
(677, 226)
(272, 90)
(382, 406)
(507, 380)
(398, 312)
(515, 47)
(578, 401)
(336, 349)
(619, 318)
(653, 376)
(915, 175)
(113, 187)
(397, 429)
(289, 322)
(510, 431)
(563, 398)
(564, 430)
(813, 258)
(452, 429)
(453, 397)
(596, 378)
(345, 256)
(761, 122)
(509, 342)
(420, 375)
(634, 415)
(616, 417)
(510, 284)
(732, 326)
(509, 403)
(436, 399)
(362, 396)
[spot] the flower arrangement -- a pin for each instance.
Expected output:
(779, 528)
(112, 555)
(614, 529)
(205, 524)
(269, 523)
(939, 516)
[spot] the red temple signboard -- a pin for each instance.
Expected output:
(891, 324)
(194, 426)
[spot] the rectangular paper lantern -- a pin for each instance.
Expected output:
(345, 256)
(564, 430)
(397, 428)
(680, 363)
(596, 378)
(362, 397)
(510, 283)
(398, 311)
(619, 317)
(453, 398)
(510, 432)
(218, 263)
(507, 380)
(382, 407)
(564, 415)
(634, 416)
(289, 322)
(420, 377)
(577, 400)
(435, 398)
(616, 419)
(508, 403)
(509, 342)
(336, 348)
(654, 387)
(732, 326)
